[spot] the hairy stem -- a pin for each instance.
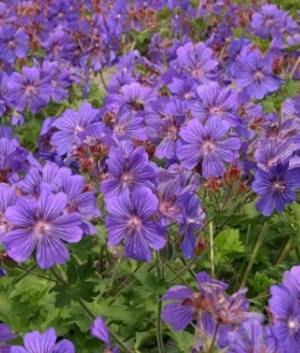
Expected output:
(212, 255)
(258, 244)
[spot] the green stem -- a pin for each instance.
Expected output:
(56, 275)
(177, 276)
(159, 336)
(294, 69)
(102, 80)
(212, 256)
(242, 199)
(29, 272)
(226, 198)
(284, 253)
(213, 339)
(186, 268)
(258, 244)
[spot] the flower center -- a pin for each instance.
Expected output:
(11, 44)
(78, 129)
(293, 325)
(30, 90)
(208, 147)
(277, 186)
(269, 22)
(259, 75)
(119, 129)
(215, 110)
(41, 228)
(134, 223)
(126, 178)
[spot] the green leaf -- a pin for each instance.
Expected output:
(290, 88)
(261, 282)
(228, 242)
(184, 340)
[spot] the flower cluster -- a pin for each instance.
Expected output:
(226, 322)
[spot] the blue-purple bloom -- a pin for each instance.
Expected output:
(7, 198)
(41, 225)
(100, 331)
(214, 101)
(13, 44)
(127, 172)
(276, 187)
(28, 89)
(197, 61)
(35, 342)
(267, 21)
(252, 337)
(207, 144)
(285, 310)
(5, 335)
(130, 218)
(254, 74)
(74, 126)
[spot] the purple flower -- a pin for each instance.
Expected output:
(49, 176)
(127, 172)
(28, 89)
(254, 73)
(196, 60)
(268, 21)
(59, 77)
(188, 305)
(74, 127)
(193, 218)
(127, 126)
(276, 188)
(167, 126)
(83, 203)
(13, 44)
(7, 198)
(251, 337)
(291, 280)
(3, 91)
(270, 153)
(35, 342)
(213, 101)
(41, 224)
(286, 316)
(206, 143)
(13, 159)
(181, 312)
(130, 219)
(183, 88)
(100, 330)
(135, 96)
(5, 335)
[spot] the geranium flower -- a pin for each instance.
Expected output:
(206, 143)
(35, 342)
(41, 225)
(254, 74)
(276, 187)
(130, 219)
